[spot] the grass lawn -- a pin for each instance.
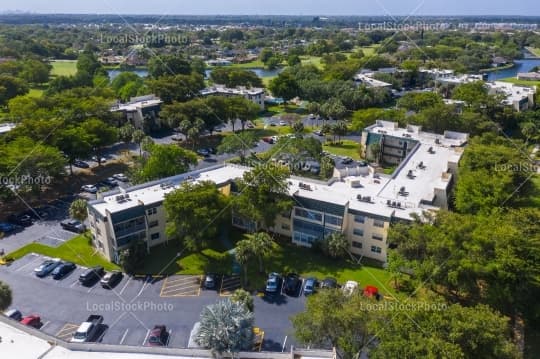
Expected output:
(534, 50)
(312, 60)
(64, 67)
(346, 148)
(521, 82)
(247, 65)
(77, 250)
(34, 92)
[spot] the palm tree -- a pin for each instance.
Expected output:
(243, 253)
(138, 137)
(261, 244)
(336, 245)
(243, 297)
(225, 328)
(78, 210)
(5, 296)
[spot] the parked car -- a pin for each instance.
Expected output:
(108, 182)
(73, 225)
(45, 268)
(88, 329)
(63, 269)
(309, 286)
(282, 123)
(346, 161)
(32, 321)
(80, 164)
(177, 137)
(250, 125)
(273, 284)
(91, 275)
(350, 287)
(23, 220)
(120, 177)
(14, 314)
(292, 284)
(269, 140)
(101, 159)
(209, 281)
(319, 133)
(203, 152)
(89, 188)
(212, 150)
(158, 336)
(110, 279)
(6, 227)
(329, 283)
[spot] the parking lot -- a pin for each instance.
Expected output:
(136, 304)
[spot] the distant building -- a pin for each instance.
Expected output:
(521, 98)
(219, 62)
(254, 94)
(367, 79)
(499, 61)
(142, 112)
(529, 76)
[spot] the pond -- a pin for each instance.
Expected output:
(114, 73)
(259, 71)
(523, 65)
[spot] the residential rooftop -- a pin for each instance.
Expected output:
(6, 127)
(433, 153)
(240, 90)
(137, 103)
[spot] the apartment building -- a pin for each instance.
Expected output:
(142, 112)
(254, 94)
(357, 201)
(521, 98)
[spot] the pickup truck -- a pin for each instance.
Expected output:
(87, 330)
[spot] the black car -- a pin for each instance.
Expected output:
(329, 283)
(111, 279)
(63, 269)
(20, 220)
(91, 275)
(81, 164)
(73, 225)
(209, 281)
(292, 284)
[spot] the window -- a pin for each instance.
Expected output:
(378, 223)
(359, 219)
(286, 227)
(358, 232)
(376, 249)
(377, 237)
(98, 231)
(332, 220)
(356, 244)
(154, 236)
(300, 212)
(151, 211)
(153, 224)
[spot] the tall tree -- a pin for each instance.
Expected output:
(164, 161)
(100, 135)
(263, 194)
(194, 213)
(79, 210)
(238, 143)
(243, 297)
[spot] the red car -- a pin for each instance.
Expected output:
(32, 321)
(158, 336)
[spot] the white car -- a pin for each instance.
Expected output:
(102, 159)
(282, 123)
(350, 287)
(120, 177)
(89, 188)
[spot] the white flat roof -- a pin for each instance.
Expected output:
(6, 127)
(18, 344)
(380, 188)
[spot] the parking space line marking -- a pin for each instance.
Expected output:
(169, 338)
(182, 286)
(146, 282)
(55, 238)
(181, 279)
(163, 286)
(72, 284)
(44, 325)
(124, 336)
(125, 285)
(91, 288)
(284, 343)
(262, 341)
(146, 337)
(27, 264)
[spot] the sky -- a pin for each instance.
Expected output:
(279, 7)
